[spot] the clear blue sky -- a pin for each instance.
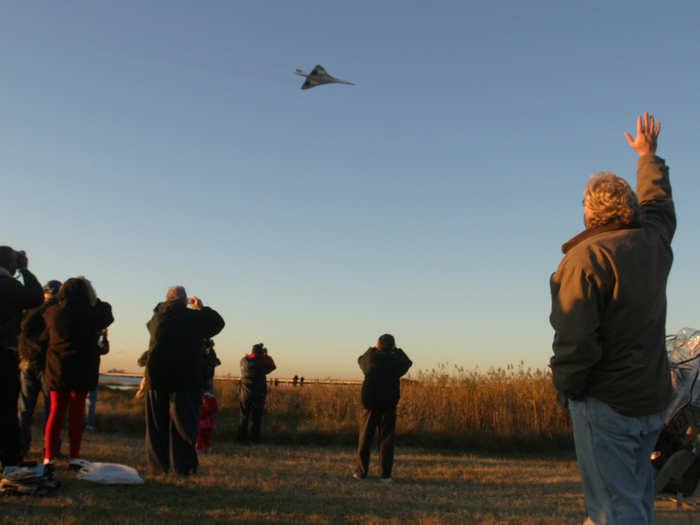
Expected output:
(146, 144)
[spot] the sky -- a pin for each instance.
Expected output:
(148, 144)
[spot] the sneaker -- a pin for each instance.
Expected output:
(77, 463)
(90, 428)
(355, 475)
(386, 480)
(48, 461)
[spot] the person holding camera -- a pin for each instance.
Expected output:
(253, 390)
(174, 380)
(14, 298)
(72, 362)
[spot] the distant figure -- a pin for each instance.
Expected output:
(174, 380)
(609, 320)
(383, 365)
(33, 342)
(72, 361)
(295, 380)
(15, 296)
(207, 422)
(301, 381)
(90, 422)
(253, 390)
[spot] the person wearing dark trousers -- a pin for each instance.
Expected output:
(383, 365)
(15, 296)
(174, 380)
(253, 391)
(33, 341)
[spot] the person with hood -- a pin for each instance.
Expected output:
(72, 361)
(609, 320)
(15, 296)
(33, 342)
(383, 365)
(253, 390)
(174, 380)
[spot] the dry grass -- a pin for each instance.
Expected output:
(507, 410)
(283, 484)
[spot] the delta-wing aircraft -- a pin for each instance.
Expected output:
(319, 76)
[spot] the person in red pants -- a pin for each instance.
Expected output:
(72, 361)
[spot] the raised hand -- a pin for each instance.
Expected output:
(647, 133)
(196, 302)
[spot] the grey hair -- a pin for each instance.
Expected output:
(176, 293)
(609, 199)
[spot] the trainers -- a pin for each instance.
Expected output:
(386, 480)
(48, 461)
(355, 475)
(77, 463)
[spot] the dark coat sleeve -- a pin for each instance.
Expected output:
(209, 321)
(403, 363)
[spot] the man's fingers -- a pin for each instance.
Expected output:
(658, 128)
(639, 125)
(629, 139)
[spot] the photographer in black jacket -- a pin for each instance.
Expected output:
(383, 366)
(174, 379)
(14, 297)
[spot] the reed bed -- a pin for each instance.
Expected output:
(511, 409)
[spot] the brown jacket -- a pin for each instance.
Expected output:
(609, 305)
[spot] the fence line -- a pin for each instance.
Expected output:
(274, 380)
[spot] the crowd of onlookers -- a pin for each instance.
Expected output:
(51, 341)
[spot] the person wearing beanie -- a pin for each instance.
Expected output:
(383, 365)
(33, 341)
(253, 390)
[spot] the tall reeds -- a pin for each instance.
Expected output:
(500, 410)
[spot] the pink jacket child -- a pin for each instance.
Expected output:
(207, 423)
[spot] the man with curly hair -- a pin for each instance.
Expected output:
(609, 316)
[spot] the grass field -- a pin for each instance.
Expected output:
(309, 484)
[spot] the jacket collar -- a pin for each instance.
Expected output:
(4, 272)
(590, 232)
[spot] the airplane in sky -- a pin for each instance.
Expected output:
(319, 76)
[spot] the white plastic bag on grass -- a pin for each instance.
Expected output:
(109, 473)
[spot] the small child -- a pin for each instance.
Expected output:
(207, 422)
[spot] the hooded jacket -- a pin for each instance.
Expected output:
(175, 353)
(254, 368)
(383, 370)
(73, 356)
(609, 305)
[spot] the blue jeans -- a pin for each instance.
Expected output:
(91, 405)
(31, 384)
(613, 456)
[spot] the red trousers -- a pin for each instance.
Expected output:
(204, 438)
(74, 402)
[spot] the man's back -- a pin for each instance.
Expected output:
(383, 370)
(609, 305)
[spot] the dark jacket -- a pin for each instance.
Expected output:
(15, 297)
(33, 337)
(73, 357)
(254, 368)
(382, 369)
(175, 352)
(609, 305)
